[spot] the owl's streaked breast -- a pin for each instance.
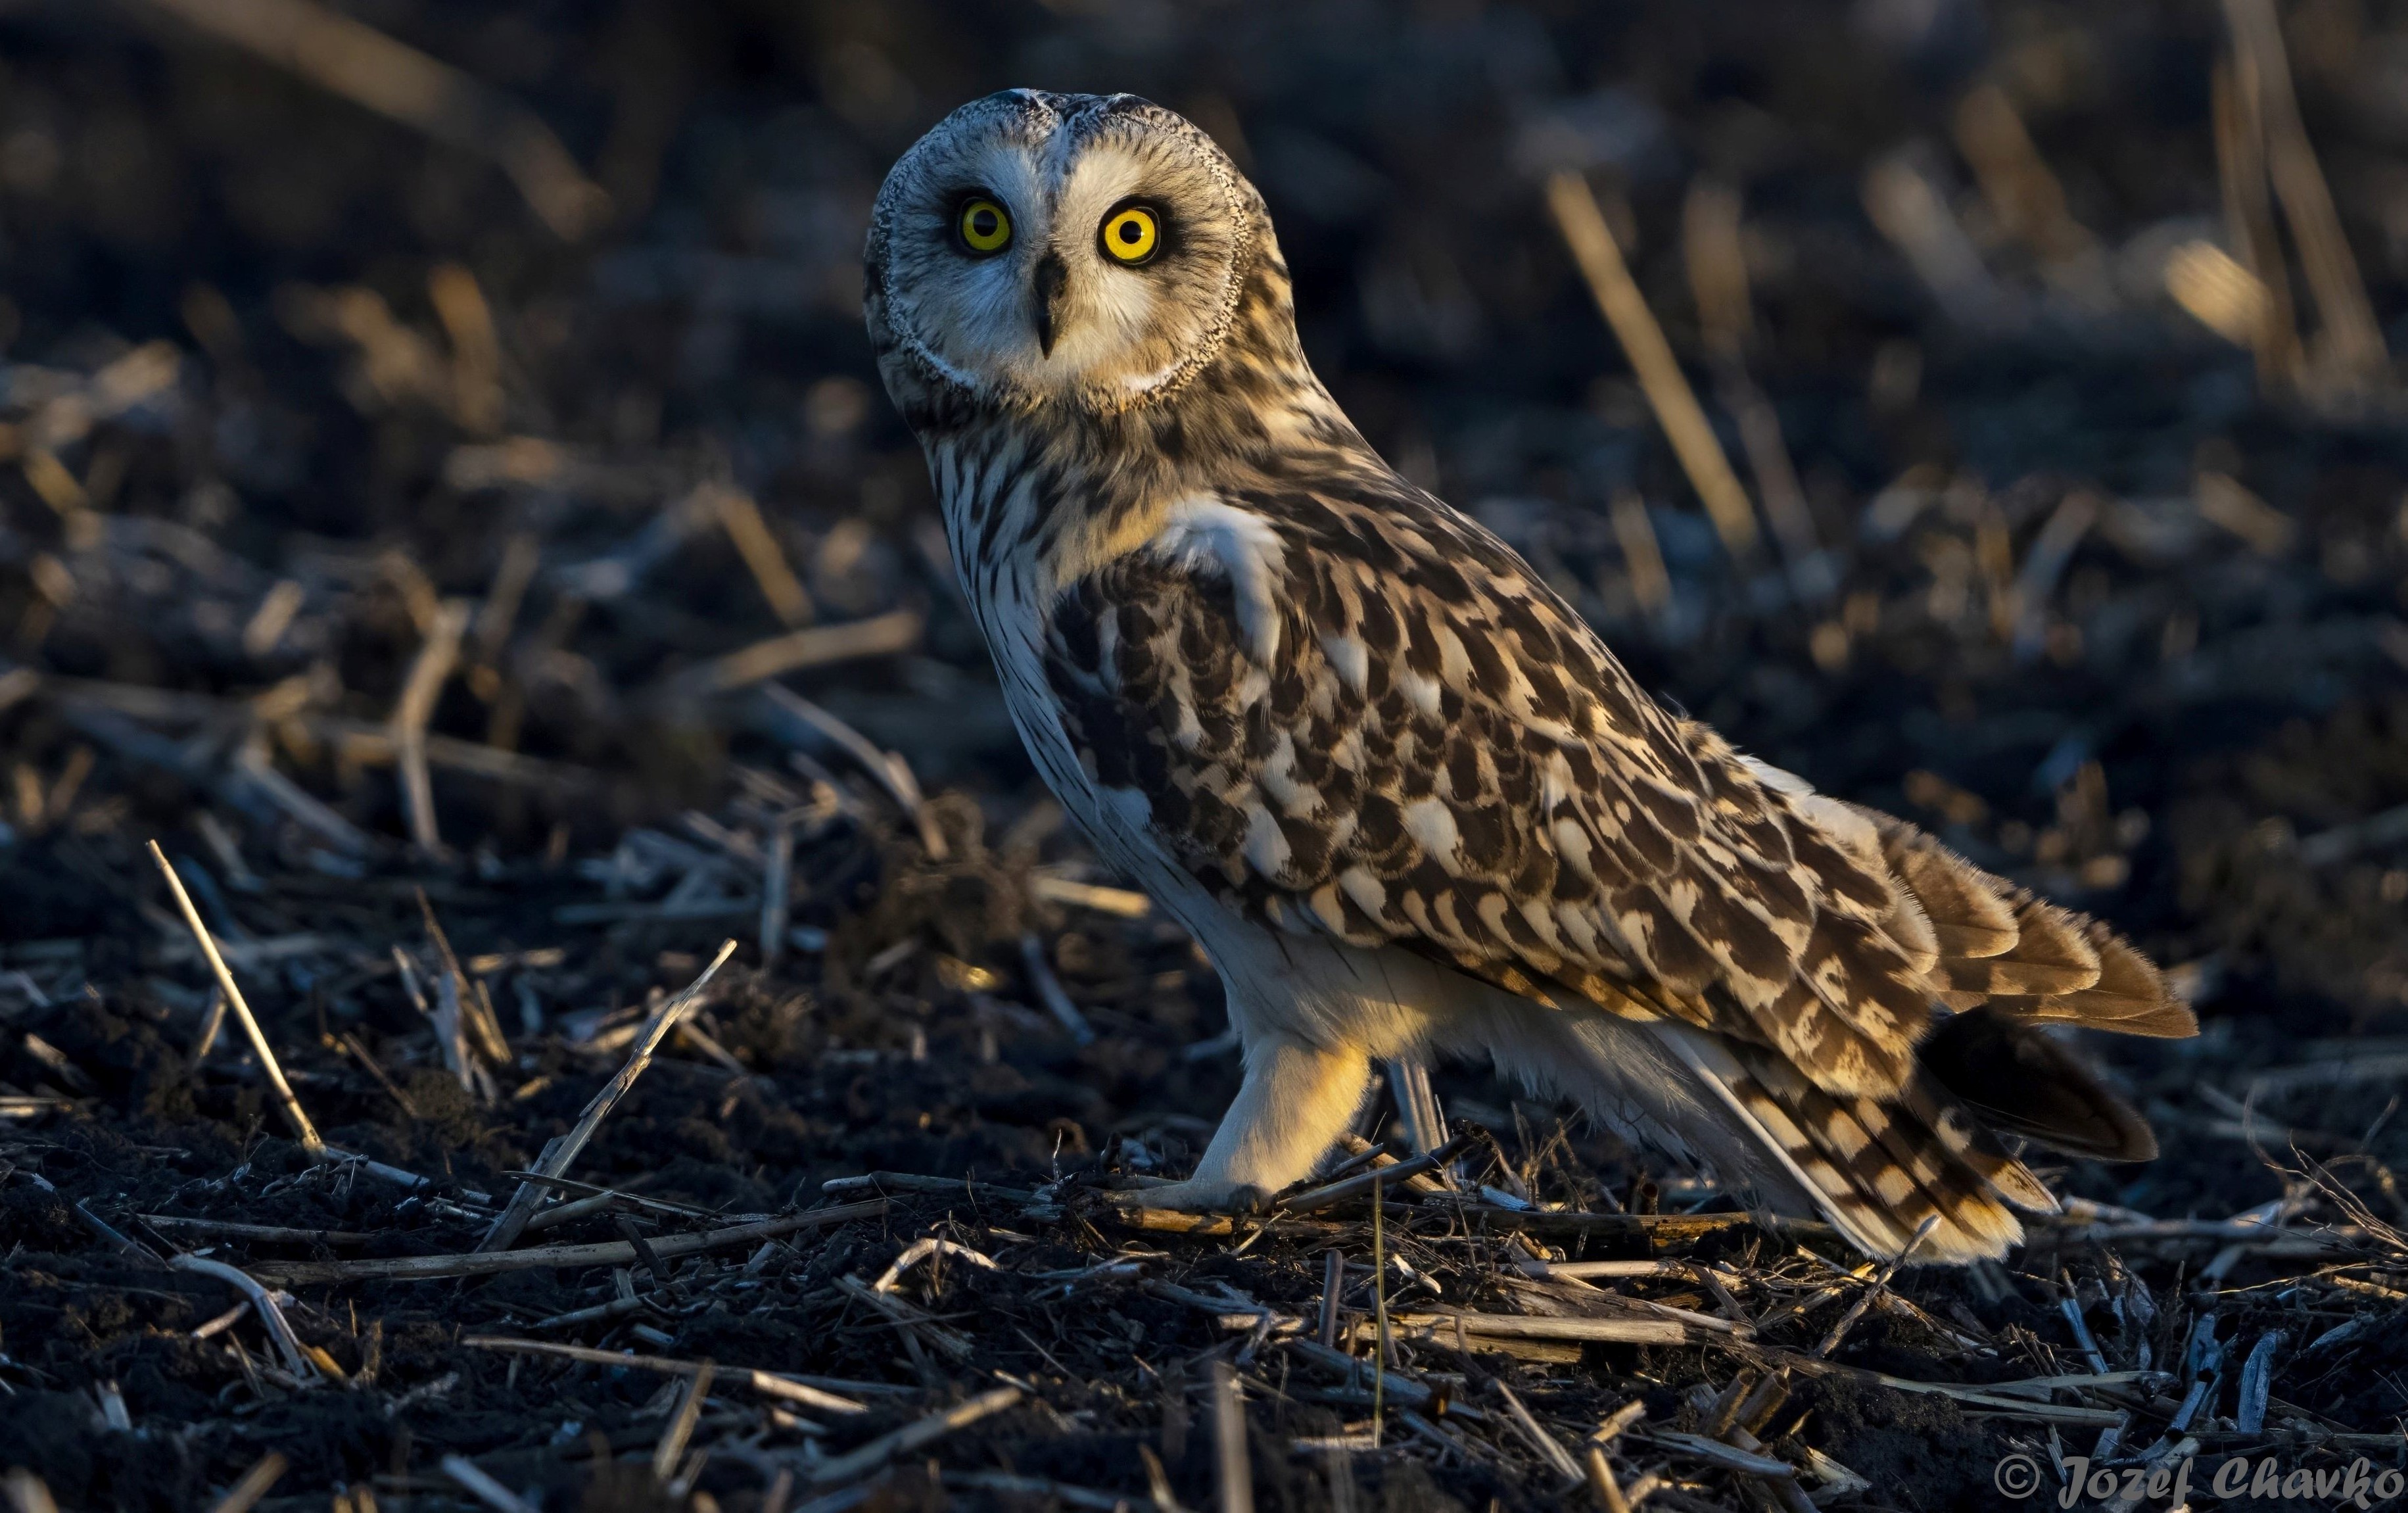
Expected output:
(995, 503)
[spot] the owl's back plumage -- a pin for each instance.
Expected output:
(1320, 712)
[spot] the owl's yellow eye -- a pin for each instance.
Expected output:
(1131, 234)
(986, 226)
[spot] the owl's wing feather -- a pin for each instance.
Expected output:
(1352, 711)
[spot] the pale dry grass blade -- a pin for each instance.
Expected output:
(560, 1154)
(609, 1253)
(1233, 1467)
(2220, 293)
(911, 1436)
(1642, 555)
(670, 1448)
(883, 635)
(741, 518)
(245, 1494)
(2349, 351)
(303, 1129)
(438, 652)
(480, 1484)
(1593, 247)
(279, 1329)
(2236, 98)
(767, 1383)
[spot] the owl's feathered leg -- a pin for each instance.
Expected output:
(1296, 1099)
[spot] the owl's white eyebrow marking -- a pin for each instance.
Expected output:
(1204, 533)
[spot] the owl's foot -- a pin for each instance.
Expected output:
(1201, 1195)
(1293, 1104)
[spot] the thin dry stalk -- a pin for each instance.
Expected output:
(1619, 1419)
(351, 1042)
(560, 1154)
(1642, 555)
(1667, 390)
(741, 517)
(884, 635)
(1728, 1457)
(1873, 1290)
(885, 768)
(522, 554)
(781, 1487)
(2349, 351)
(1051, 992)
(451, 1021)
(1233, 1472)
(400, 1177)
(278, 1233)
(477, 399)
(1602, 1483)
(1339, 1465)
(211, 1023)
(1717, 259)
(245, 1494)
(438, 652)
(481, 1485)
(2022, 191)
(2249, 220)
(777, 883)
(475, 1012)
(1384, 1356)
(1372, 1181)
(362, 64)
(606, 1253)
(1914, 213)
(303, 1129)
(911, 1436)
(1157, 1481)
(2045, 564)
(1408, 1080)
(261, 776)
(767, 1383)
(680, 1429)
(922, 1249)
(1550, 1448)
(27, 1492)
(279, 1329)
(1333, 1280)
(1446, 1328)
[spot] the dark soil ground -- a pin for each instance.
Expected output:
(296, 400)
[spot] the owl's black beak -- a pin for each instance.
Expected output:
(1052, 285)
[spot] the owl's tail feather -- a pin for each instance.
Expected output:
(2001, 947)
(1877, 1170)
(2015, 1080)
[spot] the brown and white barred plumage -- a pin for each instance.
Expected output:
(1403, 796)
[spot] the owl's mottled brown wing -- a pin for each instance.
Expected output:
(1359, 714)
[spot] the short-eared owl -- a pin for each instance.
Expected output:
(1405, 799)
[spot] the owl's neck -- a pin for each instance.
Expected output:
(1043, 507)
(1050, 493)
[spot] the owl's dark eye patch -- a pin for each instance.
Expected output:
(983, 225)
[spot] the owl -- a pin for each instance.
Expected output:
(1407, 801)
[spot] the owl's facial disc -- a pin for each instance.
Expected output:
(1076, 249)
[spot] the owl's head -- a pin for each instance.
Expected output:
(1076, 250)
